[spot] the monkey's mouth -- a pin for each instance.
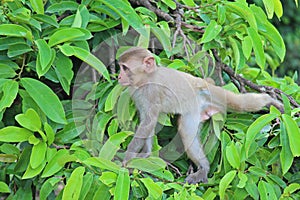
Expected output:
(124, 83)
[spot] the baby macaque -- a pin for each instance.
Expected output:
(159, 89)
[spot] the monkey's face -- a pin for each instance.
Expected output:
(131, 73)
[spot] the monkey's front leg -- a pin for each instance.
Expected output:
(141, 144)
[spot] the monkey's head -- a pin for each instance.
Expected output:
(136, 64)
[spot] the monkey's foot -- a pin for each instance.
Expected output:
(199, 176)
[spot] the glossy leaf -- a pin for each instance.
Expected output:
(6, 71)
(154, 191)
(30, 172)
(224, 183)
(64, 71)
(54, 165)
(30, 120)
(286, 156)
(86, 185)
(14, 134)
(73, 187)
(102, 164)
(46, 19)
(293, 132)
(255, 128)
(211, 31)
(153, 165)
(243, 11)
(233, 155)
(112, 145)
(108, 178)
(278, 8)
(48, 186)
(68, 34)
(44, 52)
(49, 133)
(257, 47)
(87, 57)
(269, 5)
(18, 49)
(122, 185)
(124, 10)
(38, 154)
(47, 100)
(113, 97)
(15, 31)
(9, 92)
(62, 7)
(4, 187)
(247, 47)
(38, 6)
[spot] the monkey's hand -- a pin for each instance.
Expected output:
(199, 176)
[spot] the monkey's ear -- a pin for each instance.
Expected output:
(149, 64)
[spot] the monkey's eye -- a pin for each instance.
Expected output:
(125, 68)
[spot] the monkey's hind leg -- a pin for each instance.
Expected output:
(188, 129)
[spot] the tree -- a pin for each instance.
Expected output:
(65, 122)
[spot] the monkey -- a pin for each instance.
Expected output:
(155, 89)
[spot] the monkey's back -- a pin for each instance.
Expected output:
(169, 90)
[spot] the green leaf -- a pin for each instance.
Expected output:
(88, 180)
(152, 165)
(190, 3)
(125, 10)
(286, 156)
(290, 189)
(47, 19)
(247, 47)
(112, 145)
(257, 47)
(237, 52)
(38, 154)
(278, 8)
(9, 92)
(56, 163)
(113, 97)
(211, 31)
(62, 7)
(38, 6)
(233, 155)
(73, 187)
(87, 57)
(49, 133)
(154, 191)
(102, 164)
(255, 128)
(30, 172)
(243, 11)
(7, 71)
(44, 52)
(293, 132)
(4, 187)
(122, 185)
(48, 186)
(82, 17)
(108, 178)
(269, 5)
(221, 14)
(64, 71)
(15, 31)
(170, 4)
(45, 98)
(224, 183)
(18, 49)
(14, 134)
(30, 120)
(69, 34)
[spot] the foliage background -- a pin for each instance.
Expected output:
(65, 122)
